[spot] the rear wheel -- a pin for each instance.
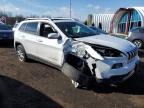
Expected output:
(21, 53)
(138, 43)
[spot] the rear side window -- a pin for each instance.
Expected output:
(31, 27)
(22, 27)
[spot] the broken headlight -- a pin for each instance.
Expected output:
(106, 51)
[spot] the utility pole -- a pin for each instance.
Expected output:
(4, 11)
(70, 9)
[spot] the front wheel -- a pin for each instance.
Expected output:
(138, 43)
(21, 53)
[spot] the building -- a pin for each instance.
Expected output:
(127, 18)
(102, 20)
(89, 20)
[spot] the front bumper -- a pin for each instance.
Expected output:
(118, 78)
(117, 75)
(109, 76)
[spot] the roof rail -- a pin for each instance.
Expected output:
(51, 19)
(61, 18)
(38, 18)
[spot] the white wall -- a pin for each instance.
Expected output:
(105, 19)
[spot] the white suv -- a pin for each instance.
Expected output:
(82, 54)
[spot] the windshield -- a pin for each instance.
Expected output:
(4, 27)
(75, 29)
(98, 30)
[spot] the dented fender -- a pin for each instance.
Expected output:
(76, 69)
(80, 49)
(77, 66)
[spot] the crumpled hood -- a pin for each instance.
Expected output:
(109, 41)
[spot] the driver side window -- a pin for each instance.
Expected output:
(46, 29)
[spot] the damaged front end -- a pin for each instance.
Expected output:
(77, 70)
(76, 66)
(88, 63)
(80, 63)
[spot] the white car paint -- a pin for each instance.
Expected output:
(50, 50)
(104, 70)
(15, 27)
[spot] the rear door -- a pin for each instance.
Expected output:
(29, 35)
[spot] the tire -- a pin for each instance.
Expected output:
(21, 53)
(138, 43)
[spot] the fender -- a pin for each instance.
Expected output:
(93, 53)
(76, 69)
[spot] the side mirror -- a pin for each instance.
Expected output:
(54, 36)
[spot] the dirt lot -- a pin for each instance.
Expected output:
(35, 85)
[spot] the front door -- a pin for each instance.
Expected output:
(50, 50)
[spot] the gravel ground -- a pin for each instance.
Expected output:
(35, 85)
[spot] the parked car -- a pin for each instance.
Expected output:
(79, 52)
(98, 30)
(6, 34)
(136, 36)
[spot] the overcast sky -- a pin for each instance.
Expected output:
(60, 8)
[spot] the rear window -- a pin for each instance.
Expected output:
(22, 27)
(31, 27)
